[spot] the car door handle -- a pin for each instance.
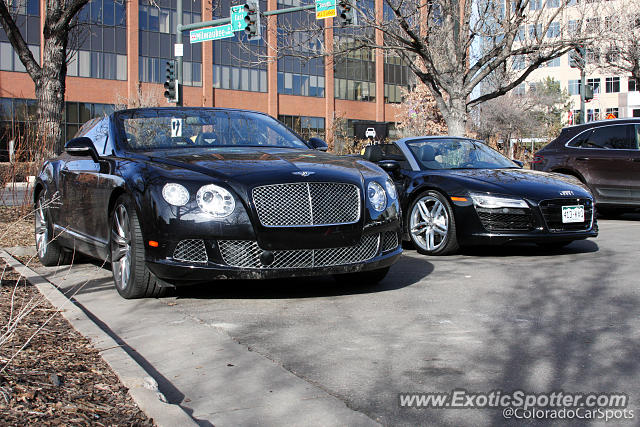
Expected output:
(582, 159)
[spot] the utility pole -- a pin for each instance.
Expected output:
(179, 91)
(583, 95)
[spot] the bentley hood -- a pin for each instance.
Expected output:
(263, 165)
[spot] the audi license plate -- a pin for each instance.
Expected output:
(572, 214)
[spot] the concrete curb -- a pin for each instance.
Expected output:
(142, 387)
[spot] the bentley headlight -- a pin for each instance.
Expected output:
(391, 189)
(215, 200)
(495, 202)
(377, 196)
(175, 194)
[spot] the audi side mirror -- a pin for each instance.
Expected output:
(518, 162)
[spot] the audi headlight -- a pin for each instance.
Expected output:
(215, 200)
(495, 202)
(391, 189)
(377, 196)
(175, 194)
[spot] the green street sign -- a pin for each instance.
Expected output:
(325, 9)
(211, 33)
(237, 18)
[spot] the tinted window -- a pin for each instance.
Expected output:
(457, 154)
(607, 137)
(175, 128)
(635, 137)
(392, 152)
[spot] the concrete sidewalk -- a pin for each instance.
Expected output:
(198, 366)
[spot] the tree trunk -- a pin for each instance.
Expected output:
(50, 89)
(456, 116)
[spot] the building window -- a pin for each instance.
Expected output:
(613, 111)
(101, 52)
(593, 115)
(235, 78)
(554, 30)
(574, 87)
(519, 62)
(156, 23)
(397, 76)
(633, 85)
(595, 84)
(305, 126)
(519, 90)
(612, 84)
(535, 5)
(355, 70)
(555, 62)
(27, 18)
(301, 69)
(535, 31)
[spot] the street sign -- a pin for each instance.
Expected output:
(178, 49)
(211, 33)
(237, 18)
(325, 9)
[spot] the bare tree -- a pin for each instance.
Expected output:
(454, 47)
(418, 113)
(49, 77)
(535, 114)
(620, 37)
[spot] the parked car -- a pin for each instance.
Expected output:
(458, 191)
(604, 155)
(370, 133)
(179, 195)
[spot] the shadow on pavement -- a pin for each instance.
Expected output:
(413, 270)
(530, 249)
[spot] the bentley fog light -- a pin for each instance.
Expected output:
(495, 202)
(391, 189)
(175, 194)
(377, 196)
(215, 200)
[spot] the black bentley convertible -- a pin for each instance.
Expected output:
(178, 195)
(458, 191)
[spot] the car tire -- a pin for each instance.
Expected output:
(371, 277)
(429, 235)
(50, 253)
(131, 276)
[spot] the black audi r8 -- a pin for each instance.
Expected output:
(178, 195)
(458, 191)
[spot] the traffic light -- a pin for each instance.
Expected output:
(577, 57)
(252, 7)
(171, 83)
(588, 93)
(346, 14)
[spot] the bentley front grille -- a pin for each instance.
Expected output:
(390, 241)
(307, 204)
(246, 254)
(192, 250)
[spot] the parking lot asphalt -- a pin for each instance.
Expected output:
(311, 352)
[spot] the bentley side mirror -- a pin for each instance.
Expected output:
(81, 146)
(392, 167)
(518, 162)
(318, 144)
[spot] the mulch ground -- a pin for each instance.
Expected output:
(50, 374)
